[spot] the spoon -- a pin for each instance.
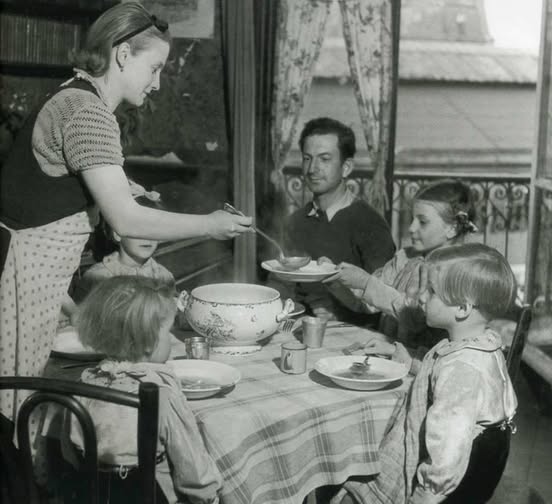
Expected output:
(360, 367)
(288, 262)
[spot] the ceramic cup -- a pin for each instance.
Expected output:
(313, 331)
(294, 358)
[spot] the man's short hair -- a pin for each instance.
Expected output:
(327, 126)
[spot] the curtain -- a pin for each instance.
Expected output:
(239, 60)
(301, 25)
(368, 33)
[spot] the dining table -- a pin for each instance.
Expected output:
(275, 436)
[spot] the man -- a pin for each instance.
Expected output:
(335, 224)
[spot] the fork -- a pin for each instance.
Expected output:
(287, 326)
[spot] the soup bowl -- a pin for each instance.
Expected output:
(236, 314)
(381, 373)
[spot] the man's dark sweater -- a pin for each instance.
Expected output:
(356, 234)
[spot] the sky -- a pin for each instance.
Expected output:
(514, 23)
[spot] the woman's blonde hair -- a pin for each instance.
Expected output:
(474, 273)
(122, 316)
(115, 24)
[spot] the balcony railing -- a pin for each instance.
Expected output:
(502, 204)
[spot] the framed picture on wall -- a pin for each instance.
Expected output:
(187, 18)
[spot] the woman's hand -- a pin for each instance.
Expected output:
(223, 225)
(350, 276)
(377, 344)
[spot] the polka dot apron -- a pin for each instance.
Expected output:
(37, 272)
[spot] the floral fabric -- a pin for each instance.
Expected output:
(299, 39)
(367, 28)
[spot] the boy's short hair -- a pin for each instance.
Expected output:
(477, 274)
(122, 316)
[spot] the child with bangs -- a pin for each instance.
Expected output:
(451, 437)
(128, 318)
(443, 214)
(126, 255)
(132, 257)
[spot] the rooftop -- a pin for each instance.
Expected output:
(425, 60)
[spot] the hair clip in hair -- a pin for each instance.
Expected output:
(160, 24)
(464, 219)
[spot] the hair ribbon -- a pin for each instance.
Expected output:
(465, 220)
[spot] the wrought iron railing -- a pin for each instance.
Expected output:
(502, 204)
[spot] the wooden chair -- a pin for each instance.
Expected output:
(513, 358)
(61, 392)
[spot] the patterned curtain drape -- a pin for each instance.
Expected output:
(301, 25)
(367, 29)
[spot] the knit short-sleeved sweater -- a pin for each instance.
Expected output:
(75, 131)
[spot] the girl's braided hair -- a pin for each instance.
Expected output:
(454, 202)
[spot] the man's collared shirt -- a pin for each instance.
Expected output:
(343, 202)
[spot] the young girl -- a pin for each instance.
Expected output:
(443, 214)
(128, 319)
(133, 256)
(450, 440)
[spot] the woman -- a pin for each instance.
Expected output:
(68, 160)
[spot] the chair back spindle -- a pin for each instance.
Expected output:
(513, 359)
(48, 390)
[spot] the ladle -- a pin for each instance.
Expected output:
(288, 262)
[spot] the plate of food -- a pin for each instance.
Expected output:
(203, 378)
(351, 371)
(312, 272)
(67, 345)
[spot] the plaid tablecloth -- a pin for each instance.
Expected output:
(276, 437)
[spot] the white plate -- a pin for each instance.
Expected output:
(217, 376)
(312, 272)
(388, 372)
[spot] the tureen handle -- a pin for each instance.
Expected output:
(182, 300)
(289, 305)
